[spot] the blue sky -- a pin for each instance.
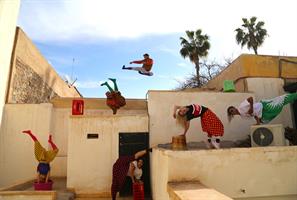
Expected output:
(101, 36)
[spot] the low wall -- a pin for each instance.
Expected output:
(193, 190)
(236, 172)
(28, 195)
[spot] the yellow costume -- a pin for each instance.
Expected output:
(43, 155)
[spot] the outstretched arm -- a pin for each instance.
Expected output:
(47, 176)
(132, 169)
(251, 101)
(137, 62)
(139, 154)
(187, 126)
(37, 177)
(258, 120)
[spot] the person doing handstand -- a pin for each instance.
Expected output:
(44, 157)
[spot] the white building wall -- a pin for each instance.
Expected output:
(90, 161)
(17, 160)
(60, 131)
(8, 18)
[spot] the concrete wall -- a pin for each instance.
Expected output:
(17, 161)
(163, 126)
(8, 18)
(260, 172)
(28, 86)
(60, 129)
(90, 160)
(33, 79)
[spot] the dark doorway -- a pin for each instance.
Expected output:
(129, 144)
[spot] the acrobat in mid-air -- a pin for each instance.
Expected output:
(114, 98)
(263, 111)
(147, 64)
(44, 157)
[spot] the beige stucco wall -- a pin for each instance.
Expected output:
(163, 126)
(60, 130)
(8, 18)
(17, 161)
(264, 171)
(267, 88)
(90, 160)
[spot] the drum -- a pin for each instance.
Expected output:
(179, 142)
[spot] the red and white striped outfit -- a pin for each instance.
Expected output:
(210, 123)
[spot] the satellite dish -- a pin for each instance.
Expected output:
(263, 136)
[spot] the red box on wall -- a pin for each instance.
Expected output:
(77, 107)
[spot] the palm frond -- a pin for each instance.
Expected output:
(190, 34)
(252, 35)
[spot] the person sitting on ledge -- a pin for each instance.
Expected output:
(210, 123)
(44, 157)
(264, 111)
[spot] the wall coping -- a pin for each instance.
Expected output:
(193, 190)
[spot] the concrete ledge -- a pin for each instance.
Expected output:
(18, 186)
(28, 195)
(80, 194)
(100, 103)
(193, 190)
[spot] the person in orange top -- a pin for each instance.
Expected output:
(147, 64)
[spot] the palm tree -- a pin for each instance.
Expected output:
(197, 47)
(252, 34)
